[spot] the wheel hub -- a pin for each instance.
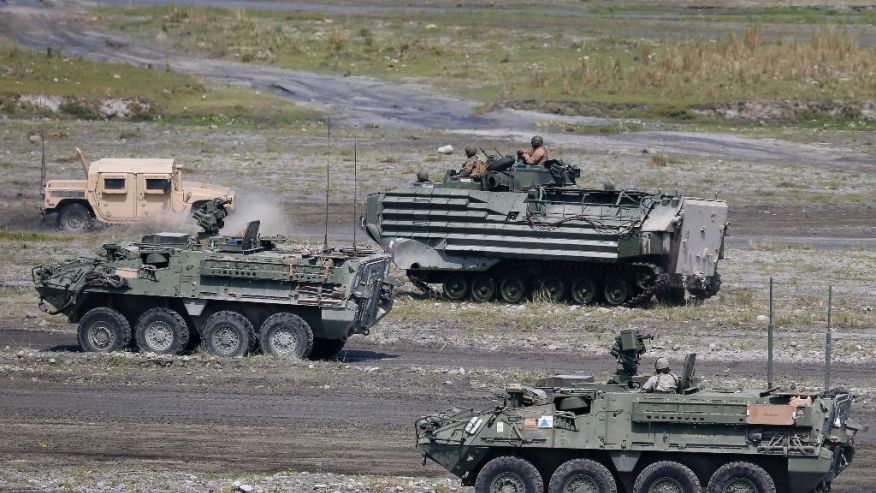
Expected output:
(581, 484)
(666, 485)
(159, 336)
(101, 335)
(507, 482)
(283, 341)
(740, 485)
(226, 340)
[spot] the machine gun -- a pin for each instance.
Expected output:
(628, 347)
(211, 217)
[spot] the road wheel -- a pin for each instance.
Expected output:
(455, 287)
(551, 289)
(667, 477)
(286, 334)
(326, 348)
(741, 477)
(483, 288)
(103, 330)
(227, 334)
(671, 297)
(75, 218)
(512, 289)
(507, 474)
(582, 476)
(161, 330)
(584, 291)
(616, 291)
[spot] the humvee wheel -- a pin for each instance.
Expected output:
(667, 477)
(483, 288)
(326, 348)
(161, 330)
(552, 289)
(507, 474)
(584, 291)
(582, 476)
(616, 291)
(741, 477)
(74, 217)
(512, 290)
(455, 287)
(286, 334)
(227, 334)
(103, 330)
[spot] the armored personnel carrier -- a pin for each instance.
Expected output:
(525, 230)
(572, 435)
(233, 293)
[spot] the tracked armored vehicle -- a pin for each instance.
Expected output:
(528, 230)
(233, 293)
(568, 434)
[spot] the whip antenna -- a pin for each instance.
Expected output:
(355, 184)
(328, 128)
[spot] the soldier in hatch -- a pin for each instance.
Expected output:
(662, 382)
(422, 180)
(537, 155)
(473, 167)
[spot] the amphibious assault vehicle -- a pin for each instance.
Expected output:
(574, 435)
(523, 230)
(232, 292)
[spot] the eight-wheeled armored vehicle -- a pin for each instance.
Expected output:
(233, 292)
(524, 229)
(120, 191)
(573, 435)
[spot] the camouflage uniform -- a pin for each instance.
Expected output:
(662, 383)
(473, 168)
(537, 155)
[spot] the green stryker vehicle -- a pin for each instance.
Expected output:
(232, 293)
(572, 435)
(524, 230)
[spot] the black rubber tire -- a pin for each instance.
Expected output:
(172, 321)
(483, 289)
(326, 348)
(287, 335)
(104, 330)
(512, 290)
(671, 297)
(750, 474)
(75, 218)
(455, 287)
(616, 291)
(231, 323)
(551, 289)
(584, 291)
(667, 470)
(511, 468)
(576, 470)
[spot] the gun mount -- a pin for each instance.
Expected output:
(628, 348)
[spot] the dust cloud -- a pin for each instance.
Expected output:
(258, 206)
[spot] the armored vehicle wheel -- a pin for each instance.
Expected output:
(512, 289)
(161, 330)
(741, 477)
(507, 474)
(667, 477)
(74, 217)
(483, 288)
(584, 291)
(104, 330)
(326, 348)
(455, 287)
(552, 289)
(671, 297)
(286, 334)
(616, 291)
(227, 334)
(582, 476)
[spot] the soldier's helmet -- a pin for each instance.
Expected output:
(470, 151)
(422, 175)
(536, 141)
(661, 364)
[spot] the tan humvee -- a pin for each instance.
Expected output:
(125, 191)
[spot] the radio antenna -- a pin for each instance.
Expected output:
(328, 128)
(355, 183)
(43, 142)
